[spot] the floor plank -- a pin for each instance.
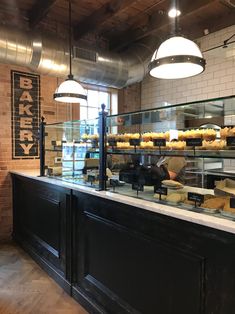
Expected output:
(26, 289)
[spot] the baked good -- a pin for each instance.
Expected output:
(167, 135)
(193, 134)
(112, 137)
(188, 202)
(159, 135)
(85, 137)
(124, 145)
(225, 187)
(213, 145)
(146, 137)
(172, 184)
(134, 136)
(181, 136)
(180, 145)
(146, 145)
(224, 132)
(175, 197)
(123, 137)
(94, 137)
(214, 203)
(231, 132)
(208, 134)
(206, 197)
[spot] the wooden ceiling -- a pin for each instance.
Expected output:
(119, 22)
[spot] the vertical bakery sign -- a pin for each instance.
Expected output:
(25, 115)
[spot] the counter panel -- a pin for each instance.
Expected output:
(118, 258)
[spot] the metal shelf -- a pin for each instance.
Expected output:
(183, 153)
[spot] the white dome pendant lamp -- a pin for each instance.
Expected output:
(70, 91)
(177, 57)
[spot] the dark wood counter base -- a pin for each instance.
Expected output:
(116, 258)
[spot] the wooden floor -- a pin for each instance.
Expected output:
(25, 288)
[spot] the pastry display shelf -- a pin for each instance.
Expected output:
(88, 149)
(76, 179)
(148, 195)
(184, 153)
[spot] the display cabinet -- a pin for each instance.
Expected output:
(72, 152)
(171, 154)
(178, 155)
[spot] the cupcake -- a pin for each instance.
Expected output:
(147, 136)
(224, 132)
(209, 134)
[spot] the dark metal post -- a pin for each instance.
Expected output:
(102, 148)
(42, 146)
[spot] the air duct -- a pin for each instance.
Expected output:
(49, 55)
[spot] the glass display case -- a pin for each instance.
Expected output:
(178, 155)
(72, 151)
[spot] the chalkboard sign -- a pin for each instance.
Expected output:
(112, 143)
(199, 198)
(91, 178)
(160, 190)
(197, 141)
(137, 187)
(114, 182)
(134, 142)
(230, 140)
(232, 202)
(159, 142)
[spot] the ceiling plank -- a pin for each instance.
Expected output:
(222, 22)
(39, 11)
(98, 17)
(158, 23)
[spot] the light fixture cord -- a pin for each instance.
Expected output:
(175, 23)
(176, 3)
(70, 40)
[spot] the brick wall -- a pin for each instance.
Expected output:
(52, 111)
(129, 98)
(218, 80)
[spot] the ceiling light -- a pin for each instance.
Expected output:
(177, 57)
(70, 91)
(173, 12)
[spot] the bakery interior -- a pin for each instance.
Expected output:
(117, 194)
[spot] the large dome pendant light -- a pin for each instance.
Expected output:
(70, 91)
(177, 57)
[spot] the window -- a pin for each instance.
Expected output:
(95, 99)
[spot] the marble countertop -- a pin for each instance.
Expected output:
(175, 212)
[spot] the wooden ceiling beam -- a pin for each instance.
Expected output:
(221, 22)
(39, 11)
(158, 23)
(98, 17)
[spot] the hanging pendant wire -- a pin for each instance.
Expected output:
(177, 57)
(70, 91)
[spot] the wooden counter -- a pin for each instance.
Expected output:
(117, 254)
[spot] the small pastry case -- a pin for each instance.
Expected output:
(70, 155)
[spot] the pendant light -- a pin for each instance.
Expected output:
(177, 57)
(70, 91)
